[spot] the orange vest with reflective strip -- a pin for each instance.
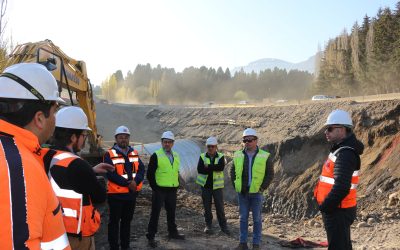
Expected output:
(30, 213)
(78, 219)
(326, 181)
(119, 164)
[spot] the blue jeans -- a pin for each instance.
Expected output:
(253, 203)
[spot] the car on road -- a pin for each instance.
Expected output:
(322, 97)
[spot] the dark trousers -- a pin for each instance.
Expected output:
(119, 224)
(337, 227)
(207, 194)
(158, 199)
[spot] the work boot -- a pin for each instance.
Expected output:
(152, 243)
(208, 229)
(226, 231)
(242, 246)
(256, 246)
(176, 236)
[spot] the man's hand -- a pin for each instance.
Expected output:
(132, 186)
(103, 168)
(182, 182)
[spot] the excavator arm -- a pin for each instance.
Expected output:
(71, 77)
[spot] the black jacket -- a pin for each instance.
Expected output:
(214, 166)
(347, 161)
(121, 181)
(79, 176)
(269, 173)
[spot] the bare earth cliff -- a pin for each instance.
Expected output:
(294, 135)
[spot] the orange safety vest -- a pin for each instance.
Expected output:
(30, 213)
(326, 182)
(119, 164)
(78, 219)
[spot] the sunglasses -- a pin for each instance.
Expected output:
(331, 128)
(211, 146)
(248, 140)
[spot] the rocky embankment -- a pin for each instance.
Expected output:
(294, 136)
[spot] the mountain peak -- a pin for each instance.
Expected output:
(271, 63)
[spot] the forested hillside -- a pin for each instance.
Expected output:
(365, 60)
(199, 85)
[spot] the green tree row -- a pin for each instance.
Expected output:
(366, 61)
(199, 85)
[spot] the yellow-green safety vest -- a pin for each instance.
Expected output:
(167, 174)
(218, 176)
(257, 173)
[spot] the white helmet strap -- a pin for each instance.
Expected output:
(24, 84)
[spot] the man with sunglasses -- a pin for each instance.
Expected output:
(336, 189)
(251, 174)
(73, 179)
(210, 177)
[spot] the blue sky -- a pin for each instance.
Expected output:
(119, 34)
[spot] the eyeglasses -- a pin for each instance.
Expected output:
(331, 128)
(248, 140)
(211, 146)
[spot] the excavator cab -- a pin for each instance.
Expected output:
(74, 85)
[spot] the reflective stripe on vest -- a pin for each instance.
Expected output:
(17, 192)
(326, 182)
(258, 170)
(218, 176)
(71, 201)
(167, 174)
(119, 164)
(59, 243)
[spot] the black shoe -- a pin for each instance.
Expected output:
(226, 231)
(242, 246)
(176, 236)
(208, 229)
(152, 243)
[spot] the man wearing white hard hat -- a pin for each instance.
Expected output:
(252, 172)
(73, 179)
(210, 169)
(336, 190)
(124, 185)
(163, 176)
(30, 214)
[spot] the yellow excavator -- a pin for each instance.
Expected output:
(73, 82)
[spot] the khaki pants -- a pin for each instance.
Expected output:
(86, 243)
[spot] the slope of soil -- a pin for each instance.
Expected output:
(294, 136)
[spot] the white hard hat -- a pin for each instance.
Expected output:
(340, 117)
(211, 141)
(122, 130)
(168, 135)
(249, 132)
(72, 117)
(30, 81)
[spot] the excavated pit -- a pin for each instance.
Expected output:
(293, 135)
